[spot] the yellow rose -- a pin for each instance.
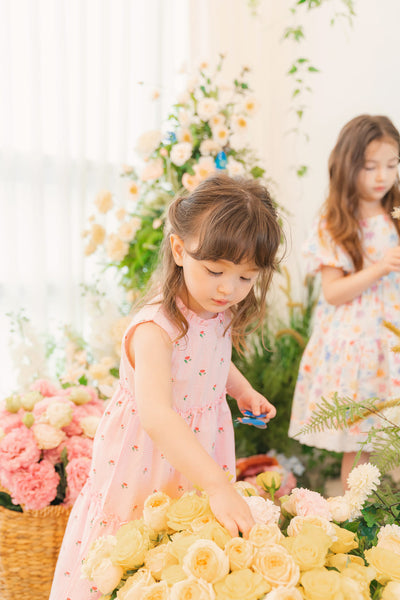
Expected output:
(206, 560)
(269, 480)
(156, 591)
(297, 523)
(155, 511)
(99, 550)
(141, 578)
(173, 574)
(180, 543)
(391, 591)
(321, 584)
(244, 488)
(192, 588)
(240, 553)
(240, 584)
(385, 562)
(356, 580)
(131, 546)
(215, 532)
(346, 540)
(107, 576)
(183, 511)
(197, 524)
(277, 566)
(309, 548)
(157, 559)
(261, 535)
(341, 561)
(285, 593)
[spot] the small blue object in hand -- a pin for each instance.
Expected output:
(259, 421)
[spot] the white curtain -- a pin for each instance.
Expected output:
(76, 79)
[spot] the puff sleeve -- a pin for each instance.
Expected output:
(320, 250)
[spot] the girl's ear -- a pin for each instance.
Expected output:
(177, 248)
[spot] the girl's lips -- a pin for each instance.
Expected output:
(221, 302)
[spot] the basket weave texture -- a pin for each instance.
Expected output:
(29, 545)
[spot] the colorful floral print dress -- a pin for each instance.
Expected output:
(349, 351)
(126, 466)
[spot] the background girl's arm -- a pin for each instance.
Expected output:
(339, 288)
(150, 352)
(246, 396)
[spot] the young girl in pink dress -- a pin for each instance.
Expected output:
(168, 427)
(355, 247)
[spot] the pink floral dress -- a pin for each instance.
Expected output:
(126, 466)
(349, 351)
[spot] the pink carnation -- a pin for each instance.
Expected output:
(74, 427)
(303, 502)
(77, 473)
(18, 449)
(45, 387)
(54, 454)
(78, 446)
(36, 486)
(9, 421)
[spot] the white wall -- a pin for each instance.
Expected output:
(359, 73)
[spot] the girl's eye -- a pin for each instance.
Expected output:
(245, 278)
(213, 272)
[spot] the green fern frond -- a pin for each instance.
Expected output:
(385, 448)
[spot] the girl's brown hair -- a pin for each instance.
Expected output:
(232, 219)
(345, 163)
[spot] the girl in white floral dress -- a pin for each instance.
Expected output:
(168, 427)
(355, 247)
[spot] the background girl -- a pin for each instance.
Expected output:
(355, 247)
(168, 426)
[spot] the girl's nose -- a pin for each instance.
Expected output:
(225, 287)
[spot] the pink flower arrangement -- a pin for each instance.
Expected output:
(44, 454)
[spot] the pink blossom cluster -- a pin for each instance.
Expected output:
(35, 438)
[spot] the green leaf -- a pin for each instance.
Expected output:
(313, 70)
(6, 502)
(83, 380)
(114, 372)
(257, 172)
(292, 70)
(301, 171)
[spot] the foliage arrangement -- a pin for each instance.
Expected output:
(206, 131)
(46, 439)
(302, 550)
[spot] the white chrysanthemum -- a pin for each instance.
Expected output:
(239, 123)
(184, 135)
(209, 147)
(363, 480)
(207, 108)
(221, 134)
(217, 120)
(234, 167)
(180, 153)
(148, 142)
(237, 142)
(184, 117)
(249, 105)
(204, 167)
(263, 511)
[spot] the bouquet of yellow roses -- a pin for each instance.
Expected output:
(299, 551)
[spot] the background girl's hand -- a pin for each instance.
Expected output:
(231, 510)
(257, 403)
(391, 260)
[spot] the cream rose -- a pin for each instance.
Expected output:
(59, 414)
(389, 538)
(155, 511)
(240, 584)
(192, 588)
(206, 560)
(47, 436)
(156, 591)
(385, 562)
(131, 546)
(136, 582)
(180, 543)
(284, 593)
(173, 574)
(107, 576)
(277, 566)
(356, 580)
(99, 550)
(244, 488)
(127, 230)
(89, 425)
(262, 535)
(148, 142)
(240, 553)
(183, 511)
(309, 548)
(346, 540)
(215, 532)
(153, 170)
(391, 591)
(157, 559)
(321, 584)
(296, 524)
(341, 561)
(79, 395)
(340, 508)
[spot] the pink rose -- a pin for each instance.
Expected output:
(77, 473)
(303, 502)
(78, 447)
(45, 387)
(36, 486)
(18, 449)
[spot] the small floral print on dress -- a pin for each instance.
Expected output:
(220, 430)
(124, 485)
(221, 362)
(122, 426)
(102, 437)
(118, 403)
(135, 448)
(133, 411)
(225, 468)
(202, 334)
(180, 488)
(185, 397)
(111, 463)
(214, 387)
(202, 372)
(145, 470)
(93, 589)
(196, 430)
(67, 574)
(103, 523)
(107, 413)
(187, 359)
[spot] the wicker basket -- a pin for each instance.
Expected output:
(29, 547)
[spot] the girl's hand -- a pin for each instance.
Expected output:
(391, 260)
(256, 402)
(231, 510)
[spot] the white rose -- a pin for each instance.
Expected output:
(340, 508)
(263, 511)
(107, 576)
(207, 108)
(148, 142)
(47, 436)
(389, 538)
(155, 511)
(99, 550)
(391, 591)
(59, 414)
(153, 170)
(89, 425)
(135, 584)
(181, 153)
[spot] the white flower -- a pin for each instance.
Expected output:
(391, 591)
(340, 508)
(184, 117)
(116, 248)
(180, 153)
(239, 123)
(205, 560)
(249, 105)
(59, 414)
(221, 134)
(234, 167)
(107, 576)
(209, 146)
(263, 511)
(89, 425)
(192, 588)
(245, 488)
(207, 108)
(217, 120)
(100, 549)
(183, 98)
(153, 170)
(184, 135)
(148, 142)
(237, 142)
(363, 480)
(204, 167)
